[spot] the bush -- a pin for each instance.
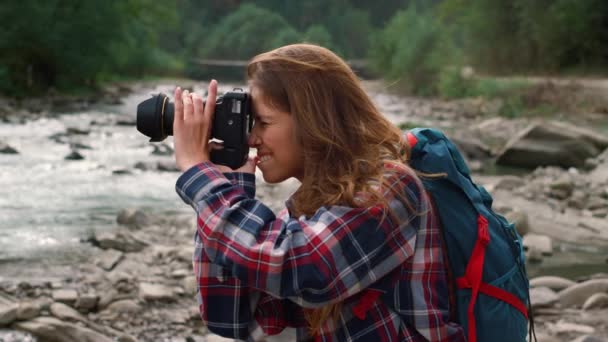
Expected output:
(411, 51)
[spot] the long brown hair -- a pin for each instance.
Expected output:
(347, 141)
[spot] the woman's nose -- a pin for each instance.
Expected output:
(254, 139)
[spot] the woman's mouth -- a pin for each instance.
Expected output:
(264, 158)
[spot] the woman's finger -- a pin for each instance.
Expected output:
(197, 102)
(210, 104)
(178, 107)
(188, 106)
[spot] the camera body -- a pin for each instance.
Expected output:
(232, 124)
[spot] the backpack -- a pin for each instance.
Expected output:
(484, 252)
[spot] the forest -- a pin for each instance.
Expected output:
(423, 46)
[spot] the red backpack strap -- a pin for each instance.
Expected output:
(474, 271)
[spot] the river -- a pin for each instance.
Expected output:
(50, 206)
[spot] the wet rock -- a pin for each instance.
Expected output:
(162, 150)
(596, 301)
(189, 284)
(542, 297)
(552, 282)
(8, 313)
(7, 149)
(168, 166)
(74, 155)
(66, 296)
(577, 295)
(552, 143)
(77, 131)
(52, 329)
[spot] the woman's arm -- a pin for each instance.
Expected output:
(313, 261)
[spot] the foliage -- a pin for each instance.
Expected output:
(410, 50)
(71, 43)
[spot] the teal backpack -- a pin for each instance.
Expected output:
(484, 251)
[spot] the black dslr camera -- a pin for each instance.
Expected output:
(232, 123)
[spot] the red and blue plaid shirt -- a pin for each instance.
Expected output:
(258, 272)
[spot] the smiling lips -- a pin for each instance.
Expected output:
(264, 157)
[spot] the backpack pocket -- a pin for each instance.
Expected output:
(497, 320)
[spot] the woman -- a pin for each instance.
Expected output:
(355, 256)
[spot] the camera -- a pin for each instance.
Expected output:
(232, 123)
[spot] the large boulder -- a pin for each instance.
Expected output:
(552, 143)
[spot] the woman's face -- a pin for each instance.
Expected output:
(273, 135)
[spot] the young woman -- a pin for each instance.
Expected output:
(356, 254)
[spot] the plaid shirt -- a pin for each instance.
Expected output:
(258, 272)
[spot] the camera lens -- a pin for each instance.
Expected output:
(155, 117)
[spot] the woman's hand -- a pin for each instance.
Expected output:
(192, 126)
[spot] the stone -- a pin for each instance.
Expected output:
(52, 329)
(596, 301)
(7, 149)
(8, 313)
(65, 312)
(520, 219)
(552, 143)
(124, 306)
(576, 295)
(189, 284)
(87, 302)
(120, 240)
(28, 310)
(74, 155)
(562, 327)
(66, 296)
(542, 297)
(108, 259)
(589, 338)
(540, 243)
(150, 291)
(509, 182)
(125, 215)
(552, 282)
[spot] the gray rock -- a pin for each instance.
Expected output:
(552, 282)
(120, 240)
(552, 143)
(135, 218)
(28, 310)
(87, 302)
(510, 182)
(53, 330)
(124, 216)
(542, 297)
(124, 306)
(8, 313)
(108, 259)
(577, 295)
(540, 243)
(66, 296)
(189, 284)
(520, 219)
(150, 291)
(562, 327)
(65, 312)
(596, 301)
(589, 338)
(74, 155)
(7, 149)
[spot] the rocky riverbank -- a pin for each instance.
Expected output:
(138, 284)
